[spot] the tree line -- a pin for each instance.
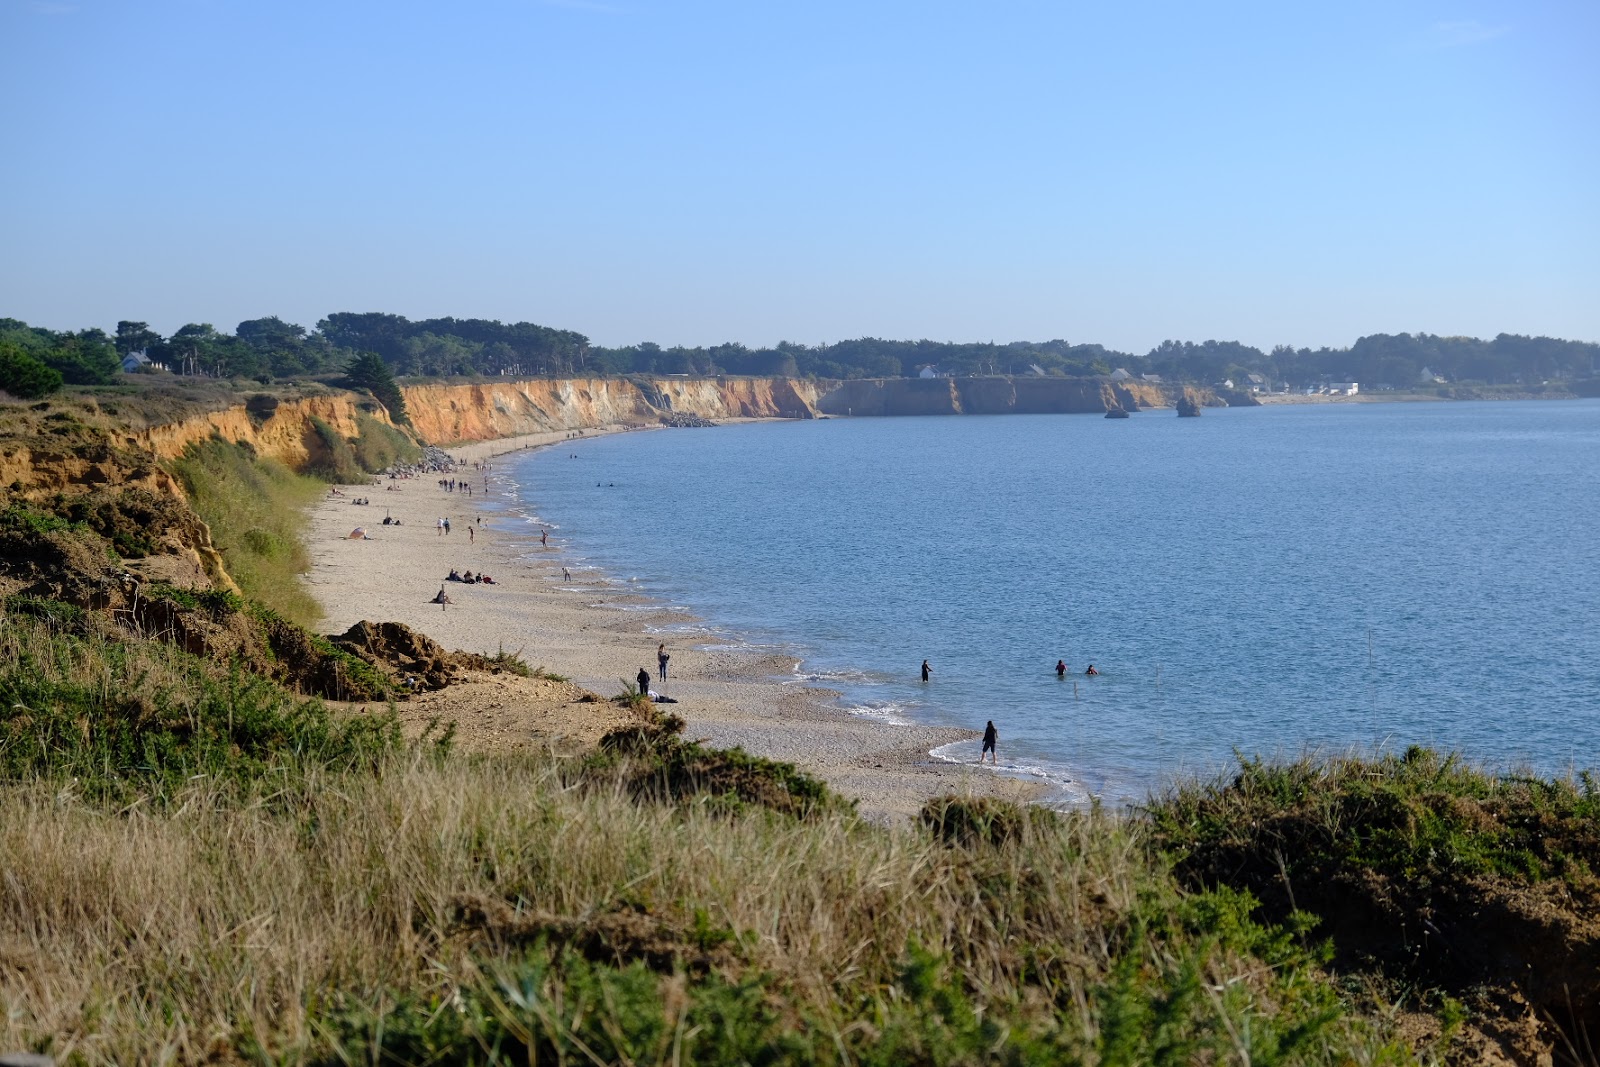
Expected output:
(35, 361)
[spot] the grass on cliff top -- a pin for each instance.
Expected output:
(256, 510)
(482, 911)
(202, 868)
(1418, 816)
(124, 720)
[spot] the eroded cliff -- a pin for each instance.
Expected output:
(443, 414)
(987, 396)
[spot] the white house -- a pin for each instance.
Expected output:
(1427, 377)
(1257, 382)
(928, 372)
(1344, 388)
(1120, 375)
(133, 361)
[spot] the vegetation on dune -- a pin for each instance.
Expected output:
(435, 908)
(141, 720)
(1439, 875)
(253, 506)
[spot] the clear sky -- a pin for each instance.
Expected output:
(700, 171)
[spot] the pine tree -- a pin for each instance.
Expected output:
(368, 371)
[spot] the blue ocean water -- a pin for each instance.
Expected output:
(1267, 580)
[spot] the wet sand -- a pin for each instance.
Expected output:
(597, 633)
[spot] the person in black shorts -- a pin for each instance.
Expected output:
(644, 682)
(990, 736)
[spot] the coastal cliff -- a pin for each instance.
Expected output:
(989, 396)
(285, 430)
(482, 412)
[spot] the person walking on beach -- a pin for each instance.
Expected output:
(447, 526)
(644, 681)
(440, 525)
(926, 670)
(472, 535)
(662, 655)
(1061, 668)
(544, 537)
(990, 736)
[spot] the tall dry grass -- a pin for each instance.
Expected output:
(169, 934)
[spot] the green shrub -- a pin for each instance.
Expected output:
(23, 376)
(255, 508)
(140, 718)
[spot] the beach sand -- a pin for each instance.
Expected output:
(580, 630)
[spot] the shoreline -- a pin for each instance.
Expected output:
(599, 633)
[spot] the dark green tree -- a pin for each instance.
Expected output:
(369, 372)
(135, 337)
(23, 376)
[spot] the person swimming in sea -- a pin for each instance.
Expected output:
(990, 736)
(1091, 672)
(1061, 668)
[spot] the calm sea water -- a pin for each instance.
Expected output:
(1267, 580)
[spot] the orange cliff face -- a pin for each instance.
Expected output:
(445, 414)
(282, 430)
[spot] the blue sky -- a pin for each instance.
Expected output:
(699, 172)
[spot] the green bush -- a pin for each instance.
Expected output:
(140, 718)
(23, 376)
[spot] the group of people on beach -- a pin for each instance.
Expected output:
(469, 578)
(450, 485)
(991, 736)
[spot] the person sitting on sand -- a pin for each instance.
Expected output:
(453, 576)
(990, 736)
(1061, 668)
(485, 579)
(468, 578)
(440, 598)
(1091, 672)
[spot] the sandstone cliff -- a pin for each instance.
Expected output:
(443, 414)
(988, 396)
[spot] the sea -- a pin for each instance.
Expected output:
(1256, 582)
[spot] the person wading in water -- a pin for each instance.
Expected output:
(990, 736)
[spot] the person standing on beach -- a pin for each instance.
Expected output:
(662, 655)
(990, 736)
(447, 526)
(926, 670)
(566, 575)
(544, 537)
(644, 681)
(472, 536)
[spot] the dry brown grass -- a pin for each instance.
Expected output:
(167, 935)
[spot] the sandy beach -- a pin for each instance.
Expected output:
(596, 633)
